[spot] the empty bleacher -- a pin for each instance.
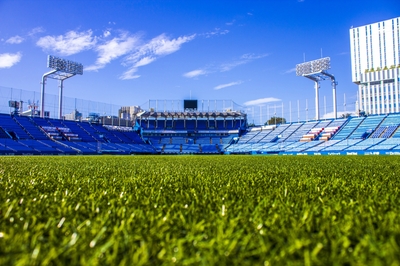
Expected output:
(203, 140)
(302, 130)
(9, 146)
(293, 146)
(342, 145)
(210, 148)
(35, 135)
(305, 146)
(364, 144)
(290, 130)
(389, 125)
(321, 145)
(13, 128)
(190, 148)
(81, 133)
(274, 135)
(172, 148)
(249, 136)
(348, 128)
(386, 144)
(29, 126)
(366, 127)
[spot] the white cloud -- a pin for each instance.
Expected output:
(290, 70)
(163, 46)
(130, 74)
(244, 59)
(229, 66)
(151, 51)
(262, 101)
(159, 46)
(230, 23)
(35, 31)
(215, 32)
(195, 73)
(145, 61)
(253, 56)
(8, 60)
(227, 85)
(70, 43)
(15, 40)
(106, 33)
(113, 49)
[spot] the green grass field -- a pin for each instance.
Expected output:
(199, 210)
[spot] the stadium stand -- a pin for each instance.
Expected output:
(301, 130)
(322, 145)
(34, 135)
(348, 128)
(366, 127)
(30, 126)
(274, 135)
(248, 137)
(190, 148)
(198, 133)
(342, 144)
(305, 146)
(365, 144)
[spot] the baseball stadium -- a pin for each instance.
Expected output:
(197, 182)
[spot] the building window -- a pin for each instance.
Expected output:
(371, 50)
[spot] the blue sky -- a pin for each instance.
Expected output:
(133, 51)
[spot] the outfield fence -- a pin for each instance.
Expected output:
(292, 111)
(31, 100)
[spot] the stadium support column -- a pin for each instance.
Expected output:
(44, 78)
(62, 69)
(334, 83)
(316, 100)
(315, 70)
(60, 97)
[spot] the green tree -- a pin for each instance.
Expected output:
(345, 115)
(275, 121)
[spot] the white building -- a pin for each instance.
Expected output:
(129, 112)
(74, 115)
(375, 64)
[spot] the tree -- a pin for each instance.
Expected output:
(345, 115)
(275, 121)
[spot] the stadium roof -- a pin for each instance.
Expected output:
(230, 114)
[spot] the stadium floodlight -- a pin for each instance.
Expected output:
(63, 65)
(316, 71)
(315, 66)
(62, 70)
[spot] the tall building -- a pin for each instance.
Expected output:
(129, 112)
(74, 115)
(375, 64)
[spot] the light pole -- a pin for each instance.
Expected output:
(62, 70)
(316, 71)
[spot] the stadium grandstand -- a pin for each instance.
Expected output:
(190, 130)
(194, 130)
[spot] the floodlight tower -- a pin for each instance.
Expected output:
(62, 70)
(316, 71)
